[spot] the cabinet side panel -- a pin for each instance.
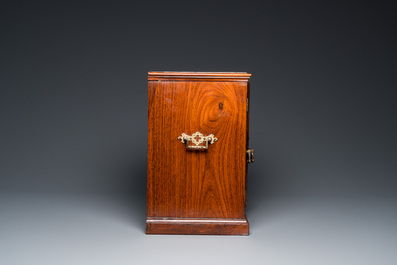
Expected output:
(197, 184)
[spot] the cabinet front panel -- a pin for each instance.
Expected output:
(197, 183)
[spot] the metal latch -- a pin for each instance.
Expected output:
(250, 155)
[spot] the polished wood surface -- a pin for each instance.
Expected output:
(191, 184)
(204, 226)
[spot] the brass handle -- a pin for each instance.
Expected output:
(197, 139)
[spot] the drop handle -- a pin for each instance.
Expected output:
(196, 140)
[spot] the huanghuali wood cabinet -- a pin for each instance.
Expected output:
(197, 153)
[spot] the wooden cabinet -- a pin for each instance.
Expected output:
(197, 153)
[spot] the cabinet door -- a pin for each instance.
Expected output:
(197, 183)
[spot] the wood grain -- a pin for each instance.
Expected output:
(197, 184)
(197, 226)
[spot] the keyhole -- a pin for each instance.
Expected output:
(220, 105)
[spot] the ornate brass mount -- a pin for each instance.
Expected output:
(197, 139)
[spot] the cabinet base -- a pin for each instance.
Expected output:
(197, 226)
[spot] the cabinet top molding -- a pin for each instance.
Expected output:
(207, 76)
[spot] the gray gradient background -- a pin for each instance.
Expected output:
(73, 128)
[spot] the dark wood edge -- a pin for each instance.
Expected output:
(195, 226)
(196, 74)
(247, 143)
(206, 79)
(204, 76)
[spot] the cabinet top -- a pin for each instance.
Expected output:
(214, 76)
